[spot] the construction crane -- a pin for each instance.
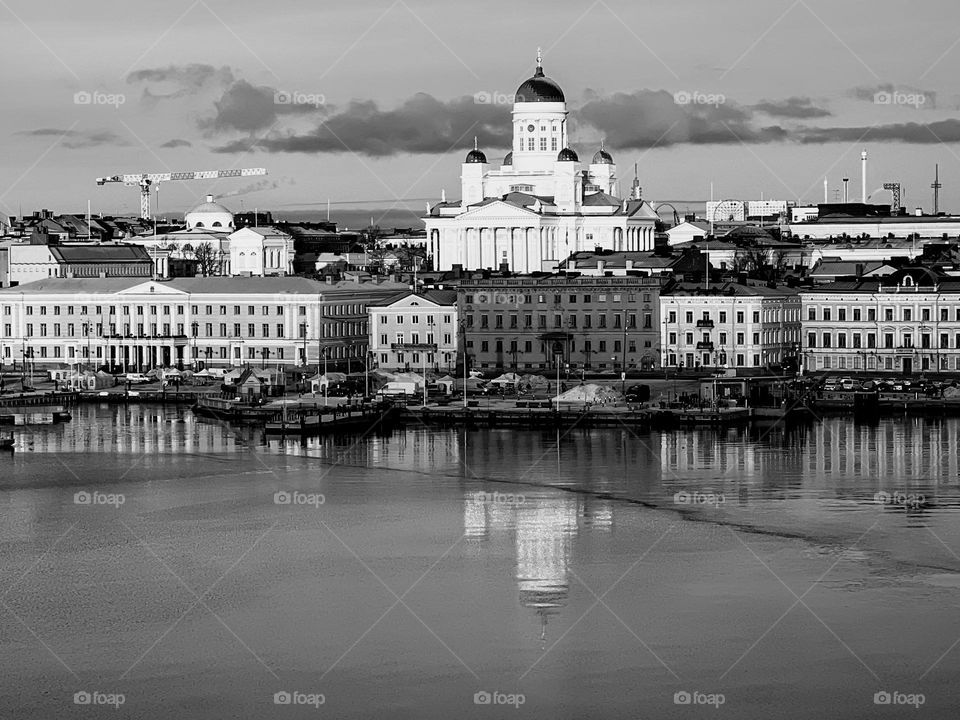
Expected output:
(146, 180)
(894, 188)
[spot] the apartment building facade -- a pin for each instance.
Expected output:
(729, 325)
(904, 323)
(125, 324)
(536, 323)
(411, 332)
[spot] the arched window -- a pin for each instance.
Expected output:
(217, 224)
(199, 224)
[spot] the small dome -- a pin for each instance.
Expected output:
(209, 214)
(508, 160)
(476, 156)
(602, 157)
(567, 155)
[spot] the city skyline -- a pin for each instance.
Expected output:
(385, 104)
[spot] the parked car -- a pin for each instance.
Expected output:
(136, 378)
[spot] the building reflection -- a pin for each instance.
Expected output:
(128, 429)
(544, 527)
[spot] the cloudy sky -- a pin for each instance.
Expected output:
(378, 100)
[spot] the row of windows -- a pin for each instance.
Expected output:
(58, 351)
(826, 340)
(335, 310)
(558, 321)
(196, 329)
(513, 346)
(513, 299)
(414, 319)
(690, 360)
(856, 314)
(857, 362)
(399, 338)
(705, 316)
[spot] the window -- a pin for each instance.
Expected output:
(689, 317)
(756, 317)
(723, 316)
(826, 314)
(871, 314)
(842, 315)
(827, 340)
(925, 315)
(888, 340)
(672, 317)
(907, 315)
(841, 340)
(739, 319)
(740, 338)
(857, 340)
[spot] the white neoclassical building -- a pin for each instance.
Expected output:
(261, 251)
(541, 204)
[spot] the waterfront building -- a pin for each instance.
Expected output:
(411, 331)
(137, 324)
(905, 322)
(733, 325)
(541, 203)
(609, 263)
(878, 226)
(524, 323)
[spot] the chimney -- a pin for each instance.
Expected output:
(629, 264)
(859, 270)
(209, 198)
(329, 279)
(919, 212)
(600, 265)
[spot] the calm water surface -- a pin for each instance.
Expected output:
(588, 574)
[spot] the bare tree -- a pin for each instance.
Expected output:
(209, 260)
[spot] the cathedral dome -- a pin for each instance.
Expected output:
(476, 156)
(567, 155)
(209, 215)
(602, 157)
(539, 88)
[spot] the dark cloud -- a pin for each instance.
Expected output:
(76, 139)
(656, 118)
(248, 108)
(876, 94)
(421, 124)
(799, 108)
(176, 142)
(944, 131)
(259, 185)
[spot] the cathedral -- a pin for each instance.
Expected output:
(541, 204)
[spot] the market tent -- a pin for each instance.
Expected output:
(447, 382)
(506, 379)
(537, 381)
(473, 384)
(589, 393)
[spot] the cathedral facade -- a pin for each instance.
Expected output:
(541, 204)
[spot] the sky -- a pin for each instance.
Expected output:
(373, 104)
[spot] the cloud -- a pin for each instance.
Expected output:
(421, 124)
(799, 108)
(180, 80)
(176, 142)
(77, 139)
(871, 93)
(249, 108)
(944, 131)
(653, 118)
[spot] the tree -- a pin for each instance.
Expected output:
(209, 259)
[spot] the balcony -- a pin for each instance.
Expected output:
(704, 323)
(705, 346)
